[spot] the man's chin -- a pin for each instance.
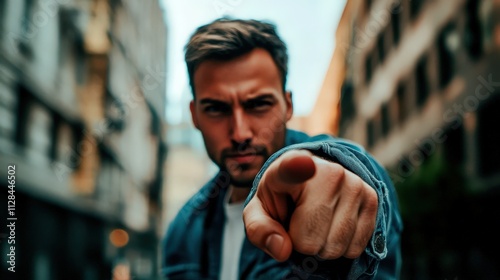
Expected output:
(243, 179)
(242, 174)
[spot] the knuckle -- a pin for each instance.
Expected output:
(357, 188)
(339, 240)
(335, 175)
(307, 246)
(354, 251)
(356, 248)
(332, 251)
(371, 203)
(337, 171)
(345, 231)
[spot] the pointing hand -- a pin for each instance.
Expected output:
(333, 213)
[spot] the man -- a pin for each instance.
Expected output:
(283, 205)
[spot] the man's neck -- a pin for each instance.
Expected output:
(238, 194)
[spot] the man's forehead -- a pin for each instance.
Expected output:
(250, 74)
(255, 61)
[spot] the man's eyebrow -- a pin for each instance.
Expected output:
(211, 101)
(260, 97)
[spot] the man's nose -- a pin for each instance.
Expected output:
(241, 131)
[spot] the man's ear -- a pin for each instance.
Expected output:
(289, 105)
(193, 114)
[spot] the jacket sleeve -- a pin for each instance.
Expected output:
(384, 246)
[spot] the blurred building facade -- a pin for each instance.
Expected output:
(82, 98)
(419, 90)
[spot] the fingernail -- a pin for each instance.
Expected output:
(274, 243)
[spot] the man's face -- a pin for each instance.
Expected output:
(241, 112)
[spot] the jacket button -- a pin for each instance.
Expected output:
(379, 243)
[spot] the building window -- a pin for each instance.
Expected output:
(80, 67)
(23, 107)
(381, 47)
(473, 33)
(370, 130)
(2, 17)
(402, 101)
(393, 111)
(39, 131)
(28, 11)
(455, 145)
(368, 68)
(415, 7)
(445, 54)
(8, 110)
(64, 142)
(488, 23)
(374, 129)
(35, 124)
(347, 107)
(386, 119)
(347, 100)
(368, 6)
(27, 20)
(28, 30)
(422, 82)
(395, 22)
(489, 137)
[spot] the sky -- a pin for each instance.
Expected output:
(307, 27)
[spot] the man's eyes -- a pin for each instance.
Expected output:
(252, 106)
(258, 105)
(217, 109)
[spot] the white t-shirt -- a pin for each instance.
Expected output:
(232, 240)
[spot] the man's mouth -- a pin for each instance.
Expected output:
(242, 158)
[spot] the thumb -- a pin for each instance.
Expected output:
(266, 233)
(291, 169)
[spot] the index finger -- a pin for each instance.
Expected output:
(291, 169)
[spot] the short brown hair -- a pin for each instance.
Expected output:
(225, 39)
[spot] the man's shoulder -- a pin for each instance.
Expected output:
(196, 205)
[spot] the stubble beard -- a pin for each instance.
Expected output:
(243, 175)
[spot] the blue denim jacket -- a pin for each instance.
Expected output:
(192, 247)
